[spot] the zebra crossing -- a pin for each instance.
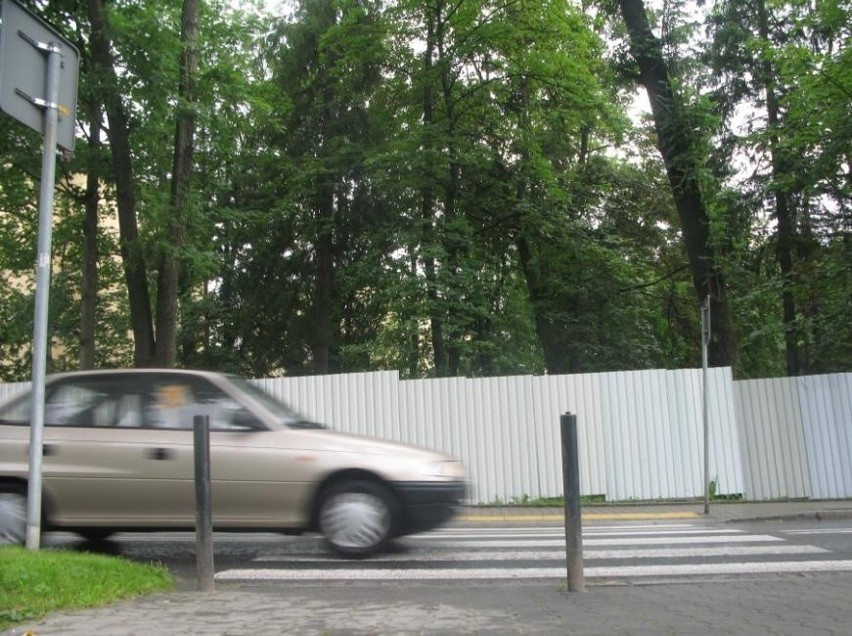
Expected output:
(622, 552)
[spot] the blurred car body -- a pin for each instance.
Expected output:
(118, 455)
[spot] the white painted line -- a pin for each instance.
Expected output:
(611, 541)
(559, 555)
(532, 573)
(820, 531)
(561, 533)
(551, 528)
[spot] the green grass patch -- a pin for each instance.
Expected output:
(33, 584)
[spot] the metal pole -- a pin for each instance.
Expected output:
(43, 263)
(571, 486)
(203, 506)
(705, 340)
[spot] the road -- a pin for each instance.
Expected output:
(698, 577)
(613, 553)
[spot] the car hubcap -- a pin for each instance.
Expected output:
(355, 520)
(13, 517)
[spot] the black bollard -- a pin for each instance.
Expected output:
(203, 505)
(571, 486)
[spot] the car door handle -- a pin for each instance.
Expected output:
(160, 453)
(47, 450)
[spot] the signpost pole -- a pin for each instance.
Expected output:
(705, 340)
(43, 263)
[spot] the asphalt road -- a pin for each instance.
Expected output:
(614, 553)
(674, 576)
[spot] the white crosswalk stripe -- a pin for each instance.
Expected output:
(609, 552)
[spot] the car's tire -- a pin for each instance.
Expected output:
(357, 518)
(13, 514)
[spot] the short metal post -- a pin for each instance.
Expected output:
(203, 506)
(571, 485)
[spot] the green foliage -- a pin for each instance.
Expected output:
(449, 189)
(800, 56)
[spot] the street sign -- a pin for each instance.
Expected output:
(25, 42)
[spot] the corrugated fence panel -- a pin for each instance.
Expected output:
(827, 417)
(578, 394)
(636, 428)
(726, 457)
(10, 390)
(653, 426)
(770, 421)
(514, 437)
(684, 390)
(362, 403)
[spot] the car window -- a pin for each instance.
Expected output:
(86, 402)
(178, 400)
(225, 413)
(167, 401)
(283, 413)
(17, 411)
(171, 405)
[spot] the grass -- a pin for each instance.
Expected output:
(33, 584)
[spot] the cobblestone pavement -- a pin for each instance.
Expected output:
(810, 604)
(792, 605)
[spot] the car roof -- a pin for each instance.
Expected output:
(135, 371)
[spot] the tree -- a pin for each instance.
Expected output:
(678, 146)
(182, 168)
(109, 93)
(781, 63)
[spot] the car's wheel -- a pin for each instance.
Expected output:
(357, 518)
(13, 515)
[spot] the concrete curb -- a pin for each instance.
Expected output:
(720, 513)
(816, 515)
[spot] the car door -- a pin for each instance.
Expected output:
(258, 480)
(118, 451)
(100, 457)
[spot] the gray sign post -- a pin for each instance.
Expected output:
(705, 341)
(38, 81)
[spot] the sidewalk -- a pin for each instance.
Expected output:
(722, 511)
(774, 604)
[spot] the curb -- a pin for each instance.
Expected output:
(816, 515)
(586, 516)
(531, 515)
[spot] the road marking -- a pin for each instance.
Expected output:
(627, 571)
(586, 516)
(559, 555)
(613, 540)
(820, 531)
(554, 532)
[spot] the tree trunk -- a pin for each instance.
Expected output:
(89, 295)
(169, 274)
(555, 341)
(674, 140)
(131, 253)
(427, 201)
(784, 213)
(324, 281)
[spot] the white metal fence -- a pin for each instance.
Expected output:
(797, 434)
(640, 432)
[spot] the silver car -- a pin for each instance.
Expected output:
(118, 455)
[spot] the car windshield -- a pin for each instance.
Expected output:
(285, 415)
